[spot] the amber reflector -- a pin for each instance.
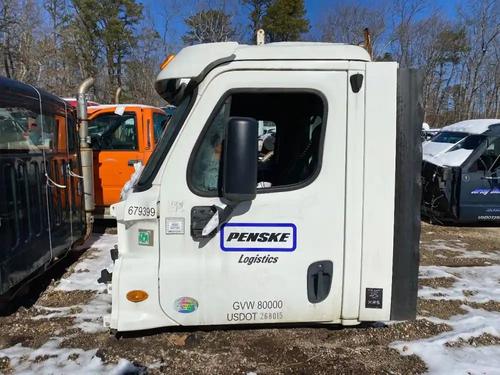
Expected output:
(166, 61)
(137, 295)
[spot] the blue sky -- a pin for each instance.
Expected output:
(175, 11)
(316, 7)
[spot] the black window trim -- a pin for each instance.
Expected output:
(254, 90)
(137, 146)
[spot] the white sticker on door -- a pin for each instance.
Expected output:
(258, 237)
(174, 225)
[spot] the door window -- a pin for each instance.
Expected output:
(72, 134)
(159, 123)
(114, 132)
(22, 129)
(290, 128)
(490, 159)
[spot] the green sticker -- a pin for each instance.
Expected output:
(145, 237)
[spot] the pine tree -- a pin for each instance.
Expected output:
(285, 20)
(108, 28)
(258, 9)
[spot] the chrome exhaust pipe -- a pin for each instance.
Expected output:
(117, 95)
(86, 155)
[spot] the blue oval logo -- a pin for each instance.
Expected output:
(185, 305)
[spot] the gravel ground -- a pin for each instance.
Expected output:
(60, 331)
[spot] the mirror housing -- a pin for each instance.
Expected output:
(239, 179)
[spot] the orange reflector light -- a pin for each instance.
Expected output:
(166, 61)
(137, 296)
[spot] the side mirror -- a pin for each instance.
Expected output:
(239, 180)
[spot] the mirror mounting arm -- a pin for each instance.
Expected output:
(221, 217)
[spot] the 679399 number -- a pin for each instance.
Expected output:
(141, 211)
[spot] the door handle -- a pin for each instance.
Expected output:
(131, 162)
(490, 178)
(319, 280)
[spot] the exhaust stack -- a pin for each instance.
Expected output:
(117, 95)
(368, 42)
(86, 154)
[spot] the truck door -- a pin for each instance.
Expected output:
(59, 184)
(116, 147)
(280, 257)
(480, 193)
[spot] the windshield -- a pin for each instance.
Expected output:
(165, 143)
(449, 137)
(111, 131)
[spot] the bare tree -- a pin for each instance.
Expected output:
(57, 43)
(345, 24)
(208, 26)
(19, 23)
(405, 14)
(144, 62)
(9, 13)
(480, 71)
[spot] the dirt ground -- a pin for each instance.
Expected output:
(288, 350)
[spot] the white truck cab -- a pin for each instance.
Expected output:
(320, 226)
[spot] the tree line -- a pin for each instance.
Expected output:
(55, 44)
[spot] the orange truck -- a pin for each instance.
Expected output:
(121, 136)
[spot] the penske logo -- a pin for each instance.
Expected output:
(258, 237)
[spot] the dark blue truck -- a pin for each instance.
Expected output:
(461, 181)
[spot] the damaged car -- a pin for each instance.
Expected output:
(461, 173)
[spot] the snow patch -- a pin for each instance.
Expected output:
(471, 284)
(483, 282)
(471, 126)
(51, 359)
(57, 312)
(84, 277)
(90, 318)
(431, 272)
(88, 270)
(442, 359)
(459, 247)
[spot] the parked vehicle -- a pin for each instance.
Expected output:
(461, 173)
(448, 136)
(122, 135)
(41, 206)
(74, 102)
(331, 234)
(427, 132)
